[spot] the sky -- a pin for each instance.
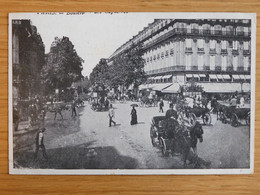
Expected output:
(94, 36)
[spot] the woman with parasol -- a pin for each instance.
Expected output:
(133, 114)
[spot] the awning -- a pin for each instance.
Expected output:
(195, 75)
(248, 76)
(225, 87)
(174, 88)
(235, 76)
(225, 76)
(219, 77)
(243, 77)
(189, 75)
(202, 75)
(166, 76)
(160, 86)
(212, 76)
(157, 78)
(143, 86)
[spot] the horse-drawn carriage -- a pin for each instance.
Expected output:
(181, 139)
(199, 112)
(148, 102)
(235, 115)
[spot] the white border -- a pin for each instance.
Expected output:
(188, 15)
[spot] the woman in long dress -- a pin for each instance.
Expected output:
(133, 116)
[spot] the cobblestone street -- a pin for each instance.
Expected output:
(87, 141)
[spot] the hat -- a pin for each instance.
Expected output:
(43, 129)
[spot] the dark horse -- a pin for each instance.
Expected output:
(187, 140)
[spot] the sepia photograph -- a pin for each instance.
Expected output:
(131, 93)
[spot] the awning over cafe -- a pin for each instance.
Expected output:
(225, 87)
(174, 88)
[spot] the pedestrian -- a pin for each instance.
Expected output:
(133, 116)
(161, 104)
(39, 144)
(242, 102)
(233, 102)
(111, 115)
(73, 109)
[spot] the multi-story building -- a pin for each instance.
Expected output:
(205, 51)
(27, 59)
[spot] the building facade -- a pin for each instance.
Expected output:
(27, 59)
(205, 51)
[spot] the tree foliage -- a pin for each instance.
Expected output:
(127, 69)
(63, 65)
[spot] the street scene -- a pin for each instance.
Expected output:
(168, 94)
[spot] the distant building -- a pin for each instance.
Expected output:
(205, 51)
(27, 59)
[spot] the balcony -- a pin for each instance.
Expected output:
(218, 68)
(188, 50)
(234, 52)
(240, 69)
(206, 68)
(212, 51)
(240, 33)
(201, 50)
(194, 68)
(246, 52)
(230, 68)
(195, 32)
(224, 51)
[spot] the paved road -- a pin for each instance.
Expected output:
(88, 142)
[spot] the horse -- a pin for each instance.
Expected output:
(187, 139)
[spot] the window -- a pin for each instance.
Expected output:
(246, 45)
(200, 62)
(158, 56)
(200, 43)
(188, 43)
(212, 44)
(223, 44)
(246, 30)
(162, 54)
(189, 28)
(171, 52)
(235, 62)
(246, 63)
(224, 62)
(212, 30)
(235, 45)
(212, 62)
(188, 62)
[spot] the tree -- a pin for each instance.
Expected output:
(63, 65)
(99, 74)
(128, 68)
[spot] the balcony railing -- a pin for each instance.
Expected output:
(212, 51)
(218, 68)
(184, 31)
(246, 52)
(224, 51)
(235, 52)
(201, 50)
(188, 50)
(240, 68)
(230, 68)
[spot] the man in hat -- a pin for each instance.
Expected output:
(111, 115)
(39, 143)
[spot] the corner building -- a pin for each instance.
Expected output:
(205, 51)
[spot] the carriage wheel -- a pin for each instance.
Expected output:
(192, 119)
(248, 119)
(234, 120)
(163, 147)
(152, 138)
(207, 119)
